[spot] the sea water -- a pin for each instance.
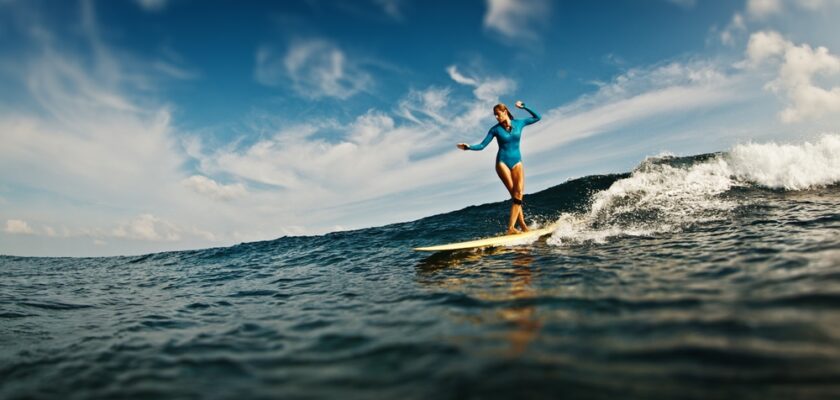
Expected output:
(712, 276)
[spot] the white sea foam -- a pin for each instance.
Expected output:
(660, 196)
(788, 166)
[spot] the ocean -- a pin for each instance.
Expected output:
(700, 277)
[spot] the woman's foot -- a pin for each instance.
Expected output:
(513, 231)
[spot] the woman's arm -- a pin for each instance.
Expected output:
(483, 144)
(534, 116)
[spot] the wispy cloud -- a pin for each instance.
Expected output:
(516, 19)
(393, 8)
(422, 104)
(762, 9)
(89, 132)
(486, 89)
(148, 227)
(18, 227)
(638, 95)
(174, 71)
(98, 154)
(403, 154)
(406, 149)
(735, 26)
(684, 3)
(315, 68)
(152, 5)
(209, 187)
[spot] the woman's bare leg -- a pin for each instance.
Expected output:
(515, 209)
(518, 177)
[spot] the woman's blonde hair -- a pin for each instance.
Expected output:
(502, 107)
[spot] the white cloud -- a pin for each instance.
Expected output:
(208, 187)
(515, 19)
(684, 3)
(92, 153)
(148, 227)
(428, 103)
(736, 25)
(798, 67)
(18, 227)
(370, 128)
(144, 227)
(174, 71)
(487, 92)
(639, 81)
(316, 68)
(393, 8)
(50, 231)
(269, 70)
(364, 162)
(152, 5)
(639, 94)
(457, 77)
(764, 45)
(487, 89)
(298, 163)
(762, 9)
(90, 141)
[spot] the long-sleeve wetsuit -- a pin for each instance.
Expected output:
(508, 140)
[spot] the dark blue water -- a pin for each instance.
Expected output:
(685, 279)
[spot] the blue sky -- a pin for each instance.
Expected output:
(151, 125)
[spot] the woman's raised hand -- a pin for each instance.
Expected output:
(463, 146)
(520, 104)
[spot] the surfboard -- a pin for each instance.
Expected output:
(505, 240)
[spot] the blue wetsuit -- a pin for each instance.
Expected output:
(508, 141)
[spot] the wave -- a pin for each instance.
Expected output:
(667, 193)
(788, 166)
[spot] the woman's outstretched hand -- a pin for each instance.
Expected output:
(520, 104)
(463, 146)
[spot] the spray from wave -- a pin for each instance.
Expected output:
(668, 194)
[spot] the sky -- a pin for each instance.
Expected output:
(129, 127)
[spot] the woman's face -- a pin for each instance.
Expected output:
(501, 116)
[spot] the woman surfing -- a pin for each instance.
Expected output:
(508, 133)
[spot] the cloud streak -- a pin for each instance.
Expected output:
(315, 68)
(764, 9)
(208, 187)
(393, 8)
(152, 5)
(516, 19)
(18, 227)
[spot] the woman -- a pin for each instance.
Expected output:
(508, 160)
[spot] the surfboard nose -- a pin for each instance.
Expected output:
(504, 240)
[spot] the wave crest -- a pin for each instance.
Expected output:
(788, 166)
(667, 193)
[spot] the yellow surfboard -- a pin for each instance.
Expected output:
(506, 240)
